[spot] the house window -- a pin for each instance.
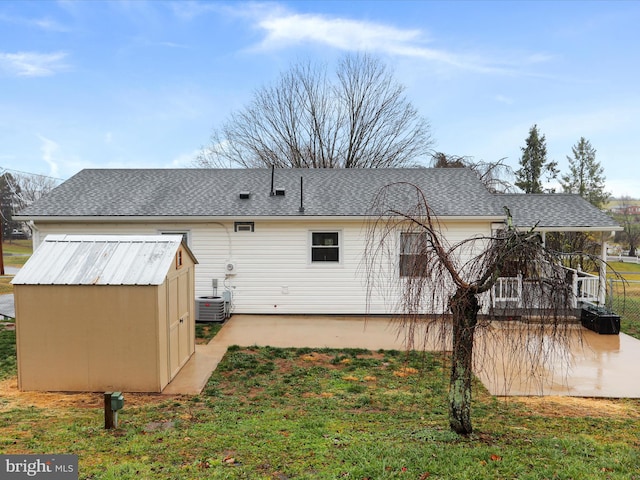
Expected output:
(413, 254)
(243, 226)
(325, 247)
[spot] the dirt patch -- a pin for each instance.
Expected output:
(581, 407)
(11, 397)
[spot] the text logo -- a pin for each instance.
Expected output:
(49, 467)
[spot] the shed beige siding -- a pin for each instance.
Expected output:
(105, 337)
(274, 272)
(88, 338)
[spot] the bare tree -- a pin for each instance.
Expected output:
(495, 176)
(358, 119)
(20, 189)
(631, 224)
(440, 282)
(29, 187)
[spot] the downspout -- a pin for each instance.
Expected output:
(35, 235)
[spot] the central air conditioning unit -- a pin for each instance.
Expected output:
(210, 309)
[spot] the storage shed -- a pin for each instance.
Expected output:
(105, 312)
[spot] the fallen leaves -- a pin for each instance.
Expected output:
(405, 372)
(492, 458)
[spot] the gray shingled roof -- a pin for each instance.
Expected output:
(558, 210)
(215, 193)
(327, 192)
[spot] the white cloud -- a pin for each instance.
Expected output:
(184, 160)
(337, 32)
(45, 23)
(503, 99)
(48, 149)
(32, 64)
(186, 10)
(284, 29)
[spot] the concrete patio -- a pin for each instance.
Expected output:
(584, 364)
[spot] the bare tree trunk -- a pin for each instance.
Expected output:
(464, 307)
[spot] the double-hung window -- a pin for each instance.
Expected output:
(325, 247)
(414, 250)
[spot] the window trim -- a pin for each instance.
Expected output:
(237, 227)
(311, 246)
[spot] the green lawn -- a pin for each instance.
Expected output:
(16, 252)
(18, 247)
(627, 297)
(271, 413)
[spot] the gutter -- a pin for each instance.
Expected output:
(207, 219)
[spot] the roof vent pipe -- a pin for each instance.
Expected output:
(273, 172)
(301, 209)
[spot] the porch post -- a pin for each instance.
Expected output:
(602, 284)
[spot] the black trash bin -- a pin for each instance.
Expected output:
(600, 320)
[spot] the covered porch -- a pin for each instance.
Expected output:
(546, 215)
(515, 295)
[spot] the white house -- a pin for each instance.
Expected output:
(287, 241)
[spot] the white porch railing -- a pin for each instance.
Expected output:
(585, 288)
(507, 289)
(622, 258)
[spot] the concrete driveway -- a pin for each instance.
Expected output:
(584, 364)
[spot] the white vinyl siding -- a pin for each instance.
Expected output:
(273, 269)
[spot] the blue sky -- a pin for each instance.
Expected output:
(142, 84)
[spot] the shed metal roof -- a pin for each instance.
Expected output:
(101, 260)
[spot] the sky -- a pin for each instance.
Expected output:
(90, 84)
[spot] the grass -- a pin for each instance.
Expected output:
(18, 247)
(625, 267)
(8, 364)
(5, 285)
(627, 300)
(206, 331)
(15, 254)
(270, 413)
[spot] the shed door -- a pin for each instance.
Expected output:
(178, 323)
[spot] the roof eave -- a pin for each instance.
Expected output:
(539, 228)
(205, 219)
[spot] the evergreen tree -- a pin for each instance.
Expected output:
(534, 163)
(586, 175)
